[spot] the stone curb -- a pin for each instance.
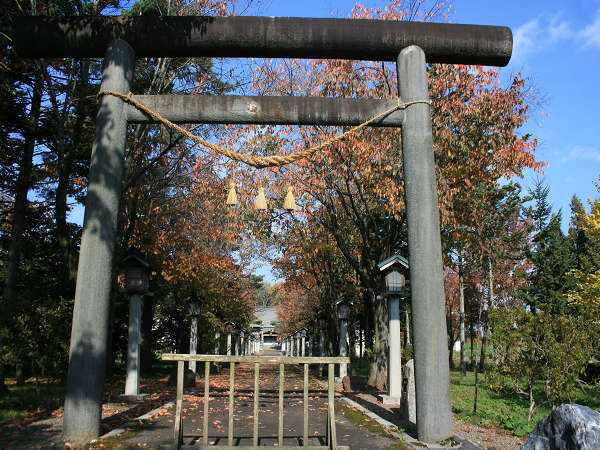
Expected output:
(134, 422)
(409, 440)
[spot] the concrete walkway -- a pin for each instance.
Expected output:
(159, 428)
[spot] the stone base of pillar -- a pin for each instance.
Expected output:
(130, 398)
(389, 400)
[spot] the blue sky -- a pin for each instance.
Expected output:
(557, 46)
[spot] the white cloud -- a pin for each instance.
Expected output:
(591, 33)
(526, 38)
(582, 153)
(558, 29)
(535, 35)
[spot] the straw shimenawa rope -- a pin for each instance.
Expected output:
(253, 160)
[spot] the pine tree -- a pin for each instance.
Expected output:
(586, 245)
(552, 255)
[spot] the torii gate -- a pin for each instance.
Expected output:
(121, 39)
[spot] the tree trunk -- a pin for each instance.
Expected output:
(484, 324)
(352, 349)
(451, 338)
(378, 370)
(361, 342)
(531, 405)
(20, 208)
(472, 338)
(20, 377)
(484, 330)
(476, 384)
(461, 289)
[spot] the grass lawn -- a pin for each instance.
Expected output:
(505, 410)
(28, 401)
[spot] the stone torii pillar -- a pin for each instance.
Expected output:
(434, 415)
(89, 331)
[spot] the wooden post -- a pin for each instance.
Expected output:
(331, 406)
(206, 402)
(281, 393)
(256, 400)
(305, 435)
(178, 429)
(231, 400)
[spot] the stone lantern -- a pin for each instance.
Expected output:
(394, 269)
(230, 327)
(196, 302)
(134, 278)
(303, 332)
(343, 312)
(243, 342)
(134, 274)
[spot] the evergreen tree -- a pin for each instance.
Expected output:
(552, 256)
(585, 244)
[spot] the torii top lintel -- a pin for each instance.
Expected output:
(273, 37)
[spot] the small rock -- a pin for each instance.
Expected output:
(346, 384)
(409, 405)
(189, 378)
(569, 427)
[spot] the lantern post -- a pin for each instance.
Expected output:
(195, 309)
(230, 327)
(135, 275)
(343, 311)
(394, 269)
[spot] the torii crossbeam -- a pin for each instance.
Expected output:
(120, 39)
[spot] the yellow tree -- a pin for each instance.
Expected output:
(587, 292)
